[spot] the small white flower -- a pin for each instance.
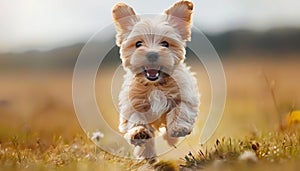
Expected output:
(248, 156)
(97, 136)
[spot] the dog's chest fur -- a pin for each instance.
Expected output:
(155, 98)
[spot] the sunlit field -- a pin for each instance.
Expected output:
(39, 128)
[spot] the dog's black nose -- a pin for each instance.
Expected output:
(152, 56)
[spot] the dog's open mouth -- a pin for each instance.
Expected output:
(152, 73)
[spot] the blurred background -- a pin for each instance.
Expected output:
(258, 42)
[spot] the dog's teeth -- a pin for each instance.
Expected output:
(156, 75)
(148, 75)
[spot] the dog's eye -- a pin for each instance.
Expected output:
(138, 44)
(164, 44)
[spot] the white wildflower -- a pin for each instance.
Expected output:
(248, 156)
(97, 136)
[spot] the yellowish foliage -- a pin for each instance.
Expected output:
(293, 117)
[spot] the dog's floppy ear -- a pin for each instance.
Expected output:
(179, 16)
(124, 19)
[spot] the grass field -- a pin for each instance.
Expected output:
(39, 129)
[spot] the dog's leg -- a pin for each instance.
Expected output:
(122, 124)
(170, 140)
(146, 151)
(141, 135)
(138, 130)
(180, 120)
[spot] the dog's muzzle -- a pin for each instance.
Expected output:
(152, 71)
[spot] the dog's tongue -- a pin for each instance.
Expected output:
(152, 74)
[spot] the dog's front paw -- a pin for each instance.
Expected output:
(138, 135)
(179, 131)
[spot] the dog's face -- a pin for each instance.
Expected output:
(153, 47)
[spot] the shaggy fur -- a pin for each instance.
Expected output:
(158, 90)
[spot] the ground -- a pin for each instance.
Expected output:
(39, 129)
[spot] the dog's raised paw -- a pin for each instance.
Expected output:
(138, 135)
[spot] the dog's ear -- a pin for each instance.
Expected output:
(124, 18)
(179, 16)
